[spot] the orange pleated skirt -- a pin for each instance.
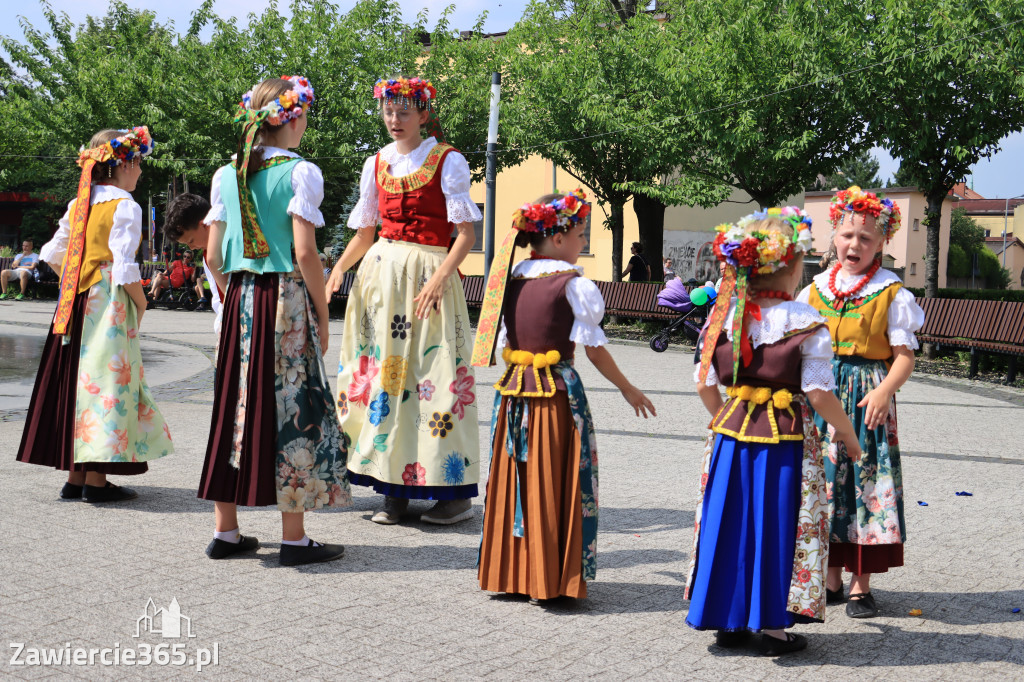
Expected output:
(547, 562)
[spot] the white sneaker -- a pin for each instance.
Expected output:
(394, 508)
(447, 512)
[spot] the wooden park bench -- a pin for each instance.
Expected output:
(634, 299)
(978, 326)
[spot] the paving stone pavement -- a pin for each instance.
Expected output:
(404, 604)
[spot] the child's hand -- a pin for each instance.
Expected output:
(638, 401)
(876, 404)
(849, 440)
(429, 298)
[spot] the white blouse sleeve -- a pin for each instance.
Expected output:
(588, 309)
(218, 212)
(53, 251)
(308, 193)
(816, 362)
(712, 378)
(125, 236)
(502, 338)
(455, 182)
(367, 211)
(905, 318)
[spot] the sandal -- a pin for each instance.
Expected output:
(861, 605)
(771, 646)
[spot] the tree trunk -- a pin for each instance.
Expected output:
(650, 217)
(932, 221)
(615, 224)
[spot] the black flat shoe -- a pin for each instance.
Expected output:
(292, 555)
(222, 549)
(71, 492)
(834, 596)
(770, 646)
(861, 606)
(731, 640)
(108, 493)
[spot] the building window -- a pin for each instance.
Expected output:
(917, 224)
(913, 266)
(586, 233)
(988, 233)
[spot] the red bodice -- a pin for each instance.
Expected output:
(413, 207)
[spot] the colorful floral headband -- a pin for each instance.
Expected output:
(856, 200)
(415, 91)
(551, 218)
(288, 106)
(135, 143)
(764, 252)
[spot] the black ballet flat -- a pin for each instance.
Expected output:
(71, 492)
(770, 646)
(222, 549)
(861, 606)
(293, 555)
(834, 596)
(733, 639)
(94, 494)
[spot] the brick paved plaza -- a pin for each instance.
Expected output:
(403, 604)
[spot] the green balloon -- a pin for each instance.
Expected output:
(699, 296)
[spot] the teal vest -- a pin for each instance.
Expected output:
(271, 190)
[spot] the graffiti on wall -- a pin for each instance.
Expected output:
(691, 254)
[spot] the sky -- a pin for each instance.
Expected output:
(1002, 176)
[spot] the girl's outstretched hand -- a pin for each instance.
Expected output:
(638, 401)
(429, 298)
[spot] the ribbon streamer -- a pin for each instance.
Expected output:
(76, 243)
(254, 243)
(494, 300)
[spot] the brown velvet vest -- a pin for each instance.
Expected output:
(775, 366)
(538, 318)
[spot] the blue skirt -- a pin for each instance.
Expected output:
(746, 542)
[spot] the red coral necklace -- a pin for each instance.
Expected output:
(849, 294)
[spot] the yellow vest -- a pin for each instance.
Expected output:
(97, 243)
(861, 329)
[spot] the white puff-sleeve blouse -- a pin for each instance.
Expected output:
(125, 235)
(455, 184)
(307, 190)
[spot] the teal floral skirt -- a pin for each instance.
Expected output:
(865, 495)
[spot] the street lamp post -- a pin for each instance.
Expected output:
(1006, 211)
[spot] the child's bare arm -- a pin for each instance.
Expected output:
(214, 255)
(828, 406)
(876, 402)
(605, 364)
(711, 397)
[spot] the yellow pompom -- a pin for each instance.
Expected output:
(732, 391)
(506, 355)
(782, 399)
(762, 395)
(540, 360)
(527, 358)
(554, 357)
(745, 392)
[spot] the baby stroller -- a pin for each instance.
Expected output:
(693, 306)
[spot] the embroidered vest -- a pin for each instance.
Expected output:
(271, 189)
(412, 207)
(767, 417)
(538, 318)
(97, 243)
(859, 327)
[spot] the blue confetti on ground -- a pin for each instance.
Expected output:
(1015, 611)
(923, 504)
(964, 493)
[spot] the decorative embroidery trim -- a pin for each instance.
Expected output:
(415, 180)
(854, 303)
(518, 364)
(774, 402)
(836, 313)
(547, 274)
(494, 301)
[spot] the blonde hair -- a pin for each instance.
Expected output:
(262, 95)
(772, 226)
(535, 239)
(102, 171)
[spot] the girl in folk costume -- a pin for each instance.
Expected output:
(759, 541)
(872, 319)
(406, 391)
(540, 515)
(274, 437)
(91, 412)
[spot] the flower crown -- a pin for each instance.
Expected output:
(856, 200)
(551, 218)
(764, 251)
(287, 106)
(414, 91)
(135, 143)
